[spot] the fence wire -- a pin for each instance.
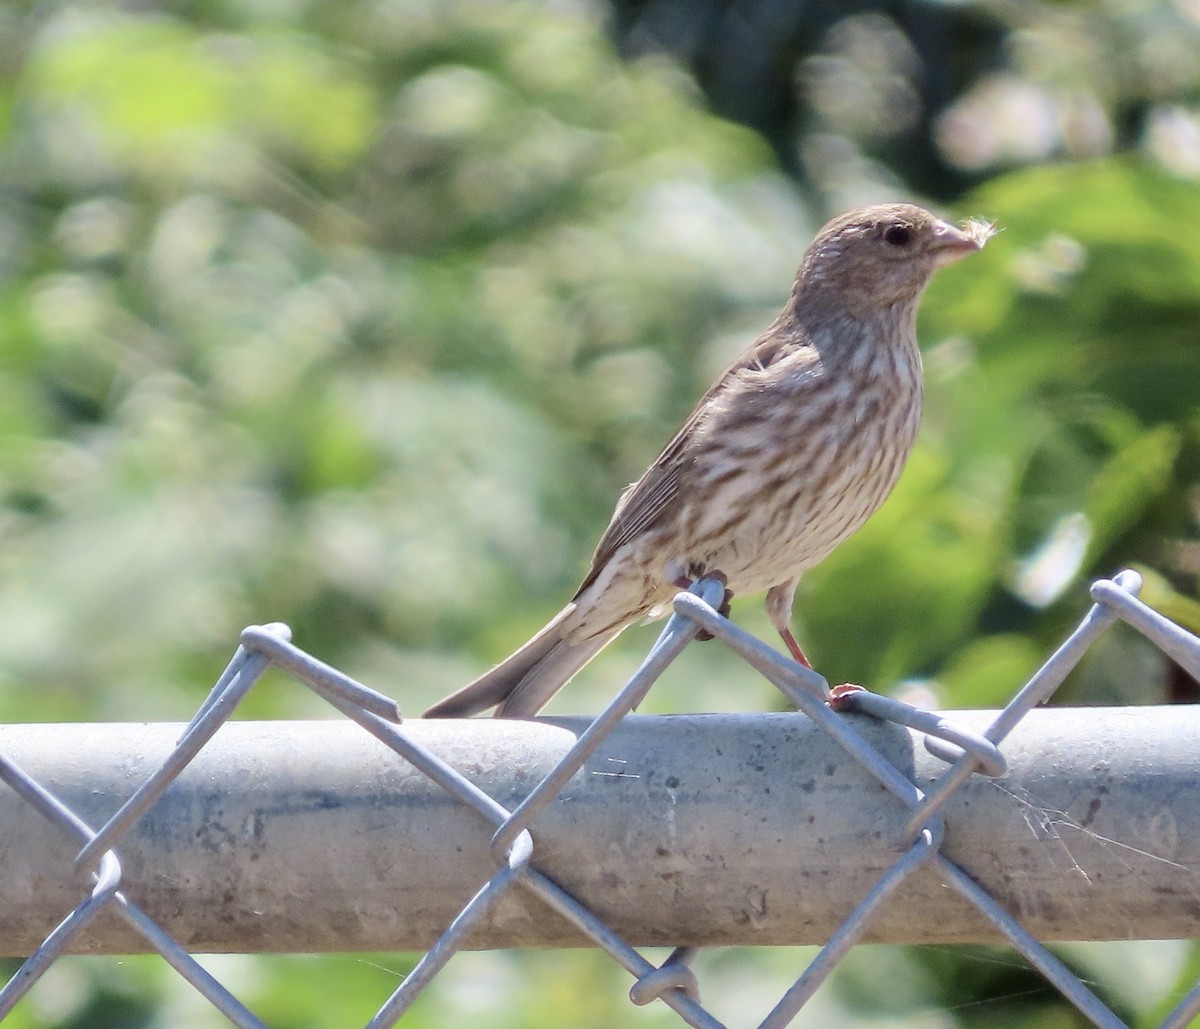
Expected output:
(674, 983)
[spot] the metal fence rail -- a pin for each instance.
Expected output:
(517, 817)
(710, 830)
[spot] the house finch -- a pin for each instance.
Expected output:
(793, 447)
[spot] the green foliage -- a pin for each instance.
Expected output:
(277, 86)
(262, 369)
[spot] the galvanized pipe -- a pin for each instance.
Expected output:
(679, 831)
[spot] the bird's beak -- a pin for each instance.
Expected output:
(951, 244)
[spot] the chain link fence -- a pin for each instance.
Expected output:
(965, 752)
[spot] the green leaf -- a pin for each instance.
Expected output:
(154, 85)
(989, 670)
(1128, 482)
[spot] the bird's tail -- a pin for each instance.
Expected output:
(521, 685)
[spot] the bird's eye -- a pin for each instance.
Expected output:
(897, 235)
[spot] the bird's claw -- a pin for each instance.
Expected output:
(723, 610)
(841, 698)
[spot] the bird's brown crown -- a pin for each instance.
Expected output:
(879, 256)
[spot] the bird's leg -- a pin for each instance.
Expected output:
(779, 610)
(684, 583)
(790, 642)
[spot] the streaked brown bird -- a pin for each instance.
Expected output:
(793, 447)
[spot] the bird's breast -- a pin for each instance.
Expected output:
(779, 485)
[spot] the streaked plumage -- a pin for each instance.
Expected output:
(792, 448)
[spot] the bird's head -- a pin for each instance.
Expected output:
(879, 256)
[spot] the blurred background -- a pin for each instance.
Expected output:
(359, 316)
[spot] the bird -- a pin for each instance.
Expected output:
(789, 451)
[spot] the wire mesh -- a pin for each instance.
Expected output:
(513, 848)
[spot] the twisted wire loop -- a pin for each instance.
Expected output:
(673, 974)
(106, 893)
(514, 831)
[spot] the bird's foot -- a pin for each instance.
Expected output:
(723, 609)
(841, 698)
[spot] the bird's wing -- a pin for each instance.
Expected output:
(643, 503)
